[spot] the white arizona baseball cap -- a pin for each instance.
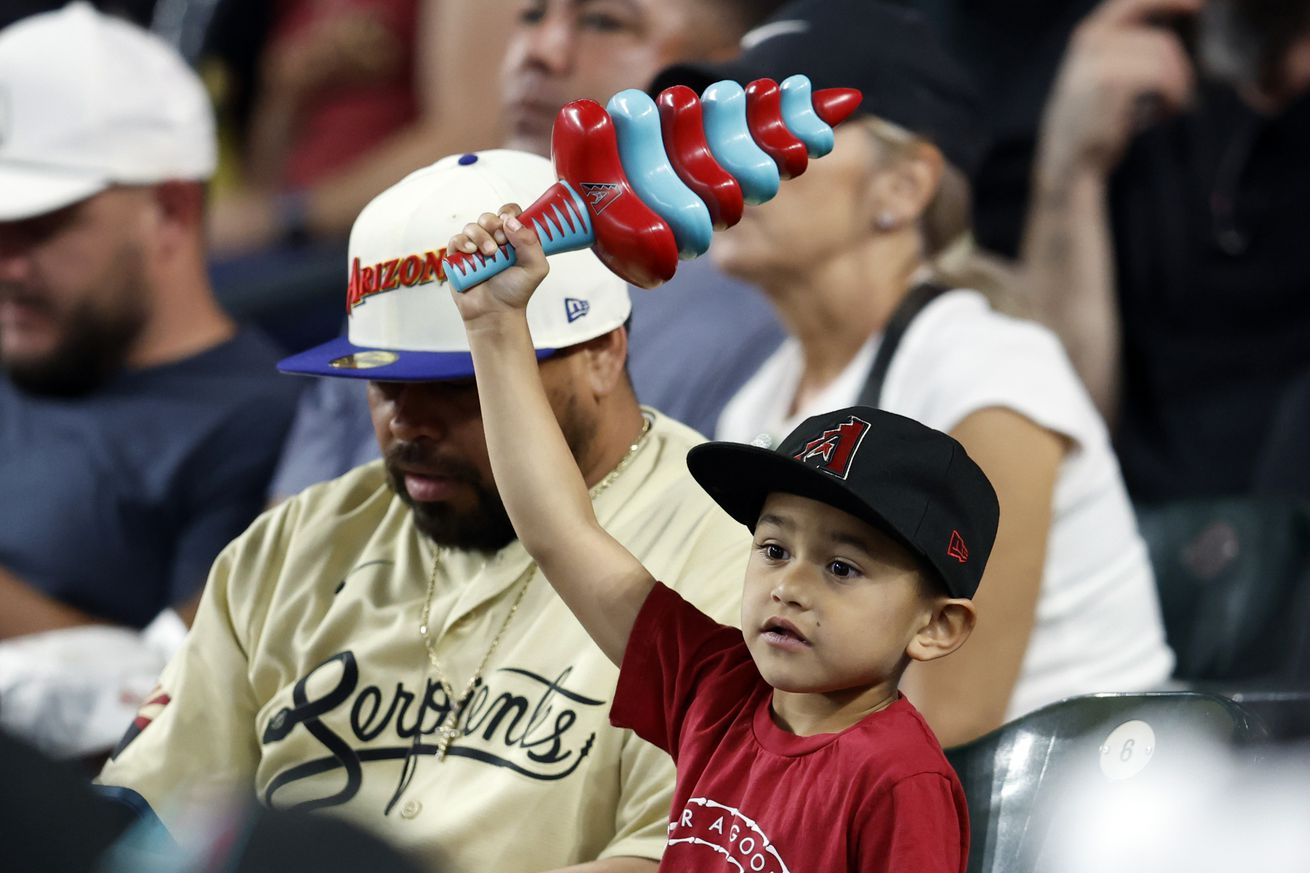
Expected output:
(403, 325)
(88, 101)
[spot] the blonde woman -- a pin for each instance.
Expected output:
(852, 256)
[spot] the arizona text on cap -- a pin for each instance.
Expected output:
(915, 483)
(403, 323)
(88, 101)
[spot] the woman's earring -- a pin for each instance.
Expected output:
(886, 221)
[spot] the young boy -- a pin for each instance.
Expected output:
(794, 749)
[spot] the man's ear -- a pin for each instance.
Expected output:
(179, 214)
(606, 358)
(948, 626)
(181, 202)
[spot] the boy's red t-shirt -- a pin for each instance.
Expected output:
(750, 796)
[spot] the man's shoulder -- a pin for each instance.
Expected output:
(248, 350)
(668, 487)
(321, 512)
(245, 355)
(238, 372)
(672, 432)
(310, 536)
(683, 537)
(231, 389)
(361, 490)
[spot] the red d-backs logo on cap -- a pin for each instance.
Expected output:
(836, 447)
(956, 547)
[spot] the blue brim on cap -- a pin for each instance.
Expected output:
(341, 358)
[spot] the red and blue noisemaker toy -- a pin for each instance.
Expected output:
(645, 182)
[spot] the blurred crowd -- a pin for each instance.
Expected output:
(1069, 232)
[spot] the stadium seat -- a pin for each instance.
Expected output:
(1234, 583)
(1040, 784)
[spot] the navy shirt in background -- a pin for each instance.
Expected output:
(117, 503)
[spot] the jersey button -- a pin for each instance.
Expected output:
(411, 809)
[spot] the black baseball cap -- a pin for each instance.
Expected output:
(910, 481)
(890, 53)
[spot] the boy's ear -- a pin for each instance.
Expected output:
(948, 626)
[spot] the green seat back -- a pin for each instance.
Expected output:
(1234, 583)
(1029, 779)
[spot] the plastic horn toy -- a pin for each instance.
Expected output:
(646, 182)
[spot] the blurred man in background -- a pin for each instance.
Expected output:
(138, 424)
(1165, 236)
(558, 50)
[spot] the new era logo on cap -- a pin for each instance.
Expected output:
(834, 449)
(575, 308)
(956, 547)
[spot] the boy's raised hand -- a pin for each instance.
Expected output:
(509, 291)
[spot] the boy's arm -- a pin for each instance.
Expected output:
(536, 473)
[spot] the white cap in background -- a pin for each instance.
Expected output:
(88, 101)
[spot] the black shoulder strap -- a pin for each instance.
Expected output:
(910, 306)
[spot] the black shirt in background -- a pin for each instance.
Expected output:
(1212, 245)
(1212, 240)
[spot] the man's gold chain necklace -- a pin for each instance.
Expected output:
(451, 729)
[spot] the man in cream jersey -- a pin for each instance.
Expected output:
(380, 646)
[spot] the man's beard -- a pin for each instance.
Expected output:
(486, 527)
(95, 343)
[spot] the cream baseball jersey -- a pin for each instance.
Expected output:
(305, 680)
